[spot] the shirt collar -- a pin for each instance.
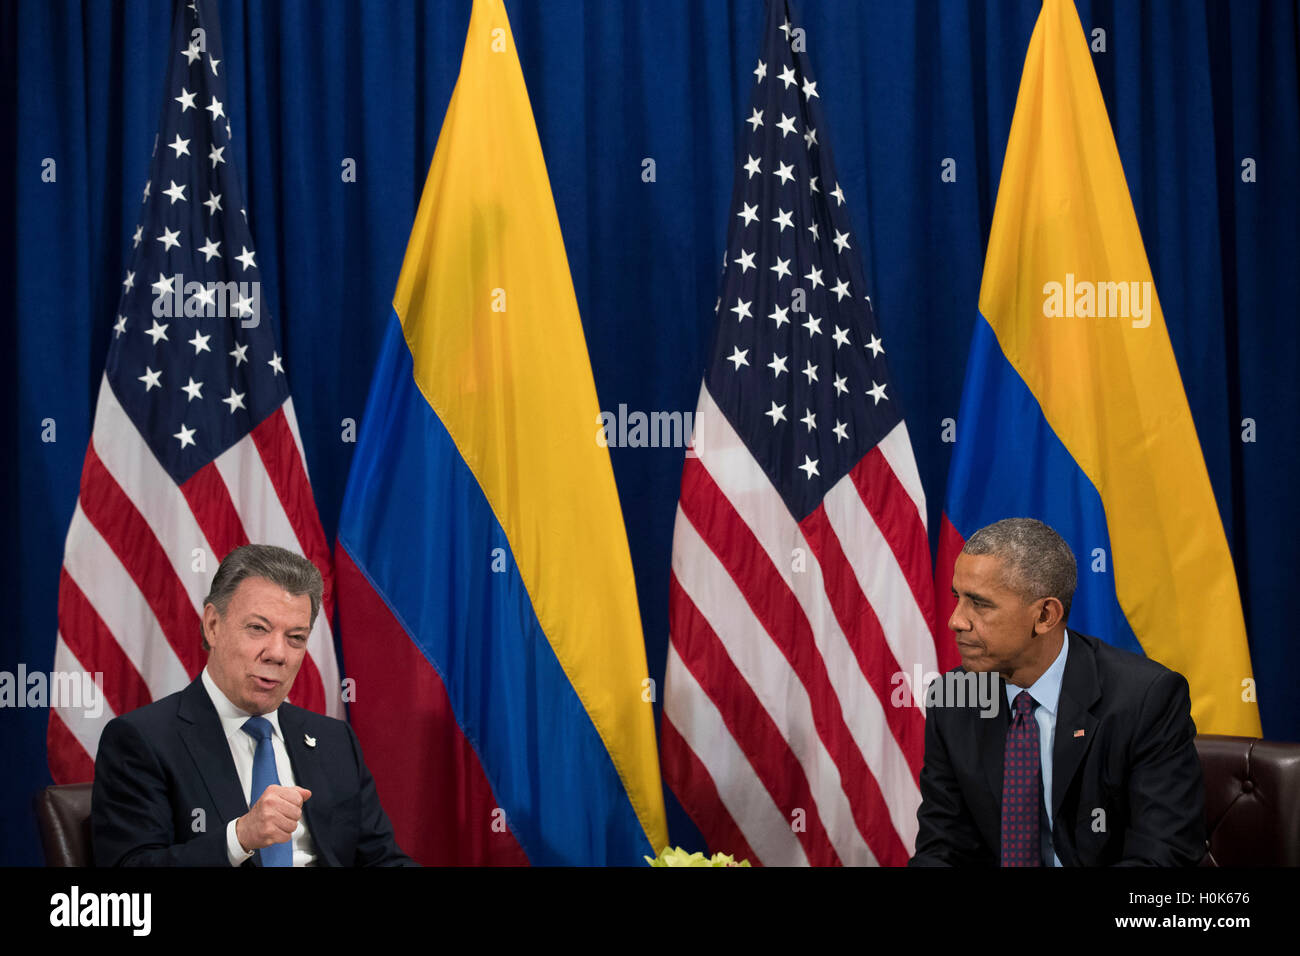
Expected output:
(1047, 689)
(232, 718)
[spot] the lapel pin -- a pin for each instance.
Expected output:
(1078, 733)
(311, 741)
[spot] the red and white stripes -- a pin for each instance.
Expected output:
(139, 559)
(786, 642)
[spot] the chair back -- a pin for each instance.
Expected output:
(63, 815)
(1252, 801)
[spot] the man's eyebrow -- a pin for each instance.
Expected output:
(974, 596)
(254, 616)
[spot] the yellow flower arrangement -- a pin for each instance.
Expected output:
(676, 856)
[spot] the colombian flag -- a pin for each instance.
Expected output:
(1073, 411)
(486, 599)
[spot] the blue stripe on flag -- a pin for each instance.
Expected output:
(1007, 462)
(477, 627)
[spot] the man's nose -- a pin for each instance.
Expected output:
(958, 621)
(275, 649)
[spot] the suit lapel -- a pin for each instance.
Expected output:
(991, 737)
(1080, 689)
(307, 772)
(206, 742)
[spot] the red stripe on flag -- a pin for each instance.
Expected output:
(284, 465)
(950, 544)
(696, 792)
(308, 688)
(115, 517)
(862, 628)
(93, 645)
(767, 751)
(894, 513)
(69, 762)
(428, 776)
(209, 499)
(215, 511)
(776, 608)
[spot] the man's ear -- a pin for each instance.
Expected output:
(1049, 615)
(210, 618)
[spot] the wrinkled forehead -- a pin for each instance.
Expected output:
(261, 598)
(983, 573)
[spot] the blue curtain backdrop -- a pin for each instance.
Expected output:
(1194, 89)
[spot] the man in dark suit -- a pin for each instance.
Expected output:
(1090, 757)
(224, 773)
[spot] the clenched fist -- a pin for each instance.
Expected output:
(272, 818)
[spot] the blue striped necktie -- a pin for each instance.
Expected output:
(264, 775)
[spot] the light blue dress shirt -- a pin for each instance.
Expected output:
(1047, 691)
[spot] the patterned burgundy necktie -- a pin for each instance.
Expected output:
(1022, 786)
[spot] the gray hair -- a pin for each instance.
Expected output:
(1037, 563)
(290, 571)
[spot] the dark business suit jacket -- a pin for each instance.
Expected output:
(1135, 762)
(158, 765)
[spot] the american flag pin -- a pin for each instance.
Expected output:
(311, 741)
(1078, 733)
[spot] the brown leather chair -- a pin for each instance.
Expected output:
(1252, 801)
(63, 814)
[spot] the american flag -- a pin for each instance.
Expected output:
(194, 449)
(801, 596)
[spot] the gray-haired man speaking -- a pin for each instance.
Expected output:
(1093, 760)
(224, 773)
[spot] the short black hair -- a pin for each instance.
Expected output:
(1037, 561)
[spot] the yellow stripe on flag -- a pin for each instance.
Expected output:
(1068, 291)
(489, 312)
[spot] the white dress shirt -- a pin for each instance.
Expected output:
(242, 749)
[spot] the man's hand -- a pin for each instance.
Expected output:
(272, 818)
